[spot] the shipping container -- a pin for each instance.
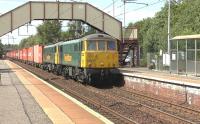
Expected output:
(21, 54)
(17, 54)
(25, 54)
(12, 54)
(38, 50)
(30, 54)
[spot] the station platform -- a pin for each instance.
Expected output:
(27, 99)
(163, 76)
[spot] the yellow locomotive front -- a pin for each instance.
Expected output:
(99, 52)
(99, 58)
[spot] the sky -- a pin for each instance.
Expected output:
(133, 13)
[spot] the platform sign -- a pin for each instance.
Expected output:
(166, 59)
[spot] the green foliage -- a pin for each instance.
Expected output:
(49, 31)
(1, 49)
(185, 20)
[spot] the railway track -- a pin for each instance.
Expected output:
(120, 108)
(170, 111)
(107, 112)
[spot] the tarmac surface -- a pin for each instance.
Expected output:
(27, 99)
(17, 106)
(163, 76)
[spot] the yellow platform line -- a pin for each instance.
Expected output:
(101, 117)
(51, 110)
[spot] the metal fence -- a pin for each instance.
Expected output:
(158, 61)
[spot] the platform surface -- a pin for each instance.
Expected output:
(36, 102)
(162, 76)
(17, 106)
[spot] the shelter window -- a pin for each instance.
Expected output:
(101, 45)
(91, 45)
(111, 45)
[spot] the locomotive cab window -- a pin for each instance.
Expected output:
(91, 45)
(101, 45)
(111, 45)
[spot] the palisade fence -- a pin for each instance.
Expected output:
(158, 61)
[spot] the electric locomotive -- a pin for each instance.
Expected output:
(91, 58)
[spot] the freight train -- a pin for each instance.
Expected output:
(91, 58)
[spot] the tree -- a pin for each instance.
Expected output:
(1, 50)
(49, 32)
(185, 20)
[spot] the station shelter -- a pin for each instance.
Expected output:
(185, 55)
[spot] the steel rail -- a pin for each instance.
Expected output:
(154, 109)
(52, 81)
(170, 103)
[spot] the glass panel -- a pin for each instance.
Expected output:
(181, 62)
(101, 45)
(198, 62)
(173, 44)
(198, 55)
(191, 55)
(191, 44)
(111, 45)
(181, 45)
(191, 61)
(198, 43)
(91, 45)
(173, 67)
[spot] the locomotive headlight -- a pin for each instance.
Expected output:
(101, 64)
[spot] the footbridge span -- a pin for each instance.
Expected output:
(62, 11)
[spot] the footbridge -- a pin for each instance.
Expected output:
(62, 11)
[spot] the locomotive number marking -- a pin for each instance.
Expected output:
(67, 58)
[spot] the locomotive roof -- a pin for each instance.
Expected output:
(71, 41)
(97, 36)
(53, 45)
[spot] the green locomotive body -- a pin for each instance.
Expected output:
(86, 59)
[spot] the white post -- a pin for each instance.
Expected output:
(168, 43)
(124, 20)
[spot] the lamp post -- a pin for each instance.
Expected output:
(168, 38)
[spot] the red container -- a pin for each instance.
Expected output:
(25, 54)
(8, 54)
(11, 54)
(38, 50)
(14, 54)
(21, 54)
(17, 54)
(30, 54)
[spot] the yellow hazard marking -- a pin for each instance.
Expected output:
(101, 117)
(52, 111)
